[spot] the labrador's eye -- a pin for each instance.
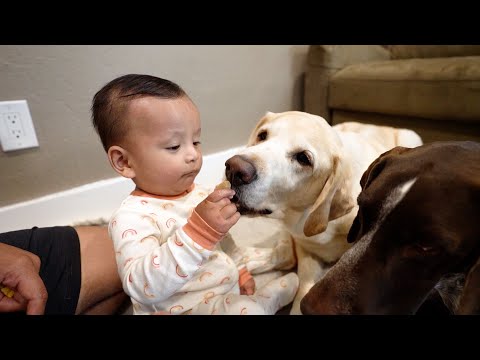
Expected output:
(303, 158)
(262, 136)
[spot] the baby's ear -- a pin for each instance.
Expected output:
(118, 158)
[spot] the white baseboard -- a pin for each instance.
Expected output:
(92, 201)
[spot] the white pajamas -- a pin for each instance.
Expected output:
(168, 264)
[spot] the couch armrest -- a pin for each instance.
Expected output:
(432, 51)
(323, 61)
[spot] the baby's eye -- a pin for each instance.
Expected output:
(174, 147)
(197, 143)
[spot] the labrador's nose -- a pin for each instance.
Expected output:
(240, 171)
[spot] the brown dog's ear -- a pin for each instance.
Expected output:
(470, 299)
(469, 303)
(378, 164)
(334, 200)
(354, 230)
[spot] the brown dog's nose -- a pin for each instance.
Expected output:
(240, 171)
(318, 302)
(306, 308)
(309, 308)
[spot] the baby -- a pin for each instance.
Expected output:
(167, 232)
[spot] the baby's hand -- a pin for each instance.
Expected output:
(248, 288)
(218, 211)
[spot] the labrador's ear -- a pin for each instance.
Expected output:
(334, 200)
(470, 299)
(253, 136)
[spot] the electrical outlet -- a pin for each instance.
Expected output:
(16, 126)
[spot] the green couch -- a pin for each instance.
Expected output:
(432, 89)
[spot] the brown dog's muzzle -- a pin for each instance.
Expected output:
(323, 299)
(312, 306)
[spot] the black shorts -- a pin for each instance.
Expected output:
(59, 251)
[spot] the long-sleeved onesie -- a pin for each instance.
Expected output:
(170, 260)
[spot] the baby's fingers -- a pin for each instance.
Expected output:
(229, 210)
(232, 220)
(218, 195)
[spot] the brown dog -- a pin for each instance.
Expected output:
(416, 231)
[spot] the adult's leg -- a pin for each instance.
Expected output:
(115, 304)
(101, 290)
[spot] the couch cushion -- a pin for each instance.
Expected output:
(437, 88)
(431, 51)
(429, 130)
(339, 56)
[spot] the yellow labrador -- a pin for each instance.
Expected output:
(298, 168)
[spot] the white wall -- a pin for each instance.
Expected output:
(94, 202)
(232, 85)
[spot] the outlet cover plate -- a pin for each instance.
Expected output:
(16, 126)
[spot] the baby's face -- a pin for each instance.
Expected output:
(163, 144)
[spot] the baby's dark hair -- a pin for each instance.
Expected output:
(111, 101)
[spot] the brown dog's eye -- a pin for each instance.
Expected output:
(262, 136)
(418, 249)
(303, 158)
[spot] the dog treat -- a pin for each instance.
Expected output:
(7, 291)
(223, 185)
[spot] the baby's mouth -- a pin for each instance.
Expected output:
(191, 173)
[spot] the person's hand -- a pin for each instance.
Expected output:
(19, 271)
(218, 211)
(248, 288)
